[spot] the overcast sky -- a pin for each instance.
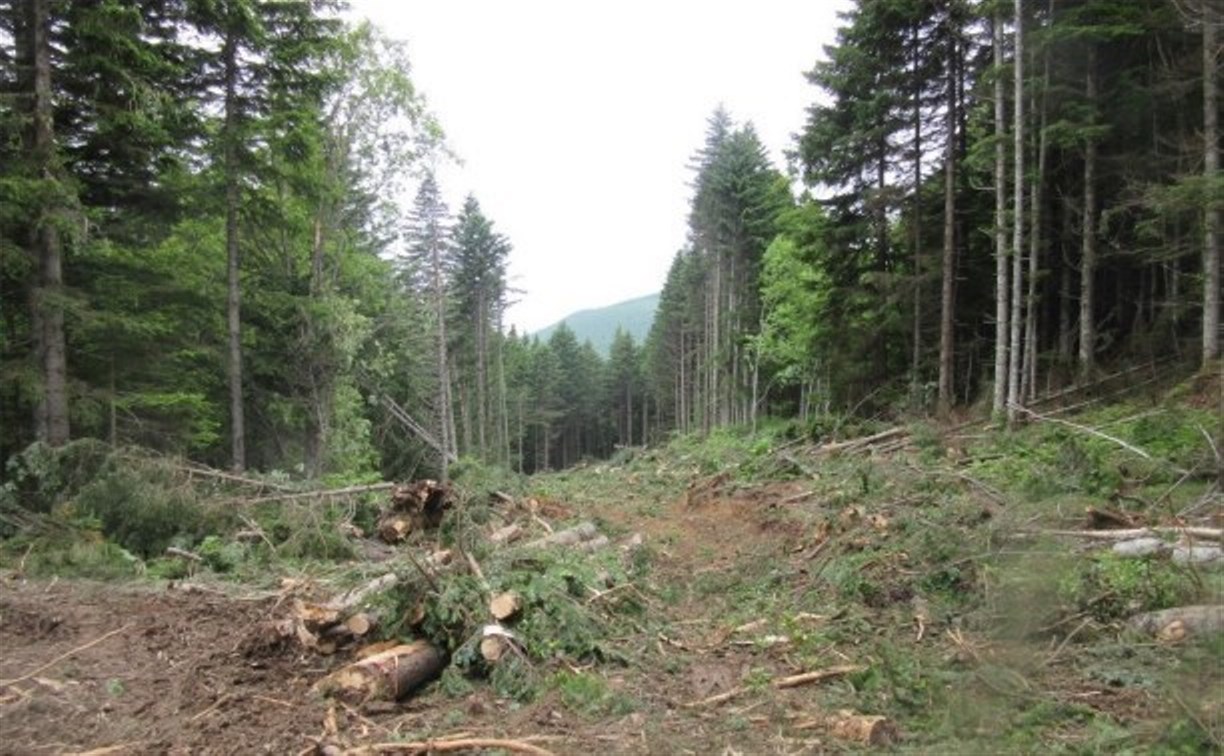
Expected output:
(575, 121)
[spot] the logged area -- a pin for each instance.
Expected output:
(907, 588)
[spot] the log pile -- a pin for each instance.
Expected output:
(414, 508)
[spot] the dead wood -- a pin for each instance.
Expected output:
(458, 744)
(183, 554)
(817, 675)
(415, 507)
(318, 494)
(1180, 622)
(389, 675)
(862, 442)
(1094, 432)
(508, 534)
(583, 531)
(868, 729)
(62, 657)
(505, 606)
(1103, 519)
(792, 681)
(352, 598)
(1206, 534)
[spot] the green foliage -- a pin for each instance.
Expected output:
(590, 695)
(1111, 587)
(142, 512)
(41, 477)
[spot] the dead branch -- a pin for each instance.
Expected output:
(1094, 432)
(440, 746)
(816, 676)
(62, 657)
(792, 681)
(318, 494)
(1129, 534)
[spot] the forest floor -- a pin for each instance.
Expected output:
(924, 578)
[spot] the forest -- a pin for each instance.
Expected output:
(921, 452)
(204, 252)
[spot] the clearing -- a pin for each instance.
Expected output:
(756, 595)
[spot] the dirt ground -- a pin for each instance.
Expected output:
(149, 670)
(152, 668)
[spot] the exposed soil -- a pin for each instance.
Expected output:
(166, 672)
(148, 670)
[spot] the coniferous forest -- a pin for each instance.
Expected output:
(922, 450)
(203, 252)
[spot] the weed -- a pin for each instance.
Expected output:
(1110, 587)
(590, 695)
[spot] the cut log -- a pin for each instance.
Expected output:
(1198, 555)
(1177, 623)
(1193, 533)
(505, 606)
(508, 534)
(496, 642)
(394, 529)
(315, 617)
(492, 648)
(594, 544)
(1139, 547)
(583, 531)
(868, 729)
(351, 599)
(360, 624)
(388, 676)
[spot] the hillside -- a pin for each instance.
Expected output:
(599, 324)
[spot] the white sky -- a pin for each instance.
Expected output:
(576, 120)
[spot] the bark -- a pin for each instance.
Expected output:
(916, 337)
(445, 418)
(1211, 167)
(1175, 624)
(1017, 280)
(1088, 261)
(999, 403)
(47, 311)
(947, 294)
(583, 531)
(389, 675)
(233, 304)
(1028, 386)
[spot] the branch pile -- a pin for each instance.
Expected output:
(503, 597)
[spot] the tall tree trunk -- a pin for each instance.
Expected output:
(1088, 261)
(482, 378)
(999, 399)
(1028, 388)
(947, 303)
(1017, 280)
(1211, 167)
(445, 417)
(233, 301)
(47, 312)
(916, 229)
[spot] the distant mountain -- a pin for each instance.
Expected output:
(599, 325)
